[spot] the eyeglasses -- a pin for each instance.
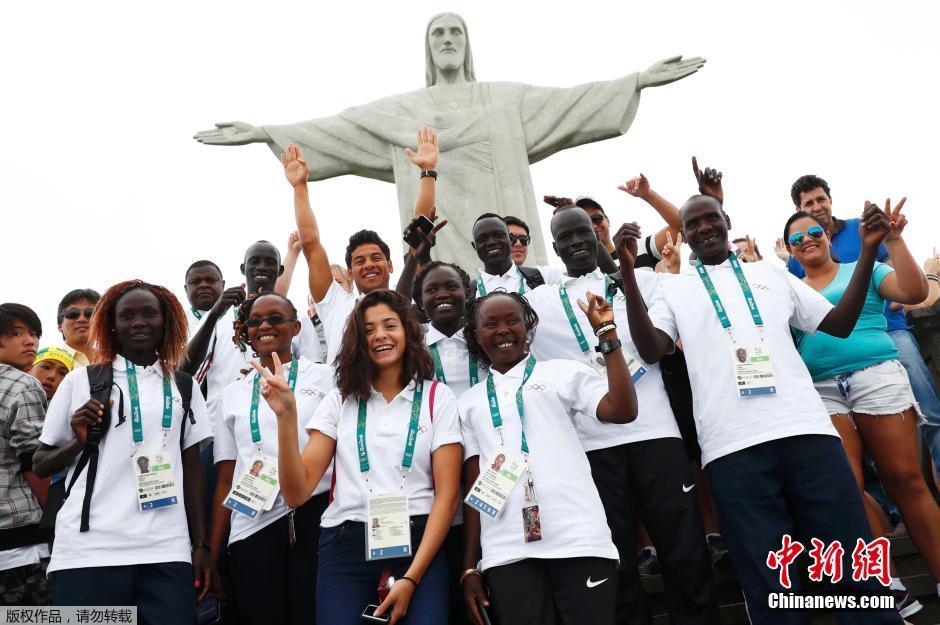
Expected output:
(274, 320)
(797, 238)
(74, 313)
(524, 239)
(597, 218)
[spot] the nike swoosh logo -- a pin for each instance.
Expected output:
(591, 584)
(686, 489)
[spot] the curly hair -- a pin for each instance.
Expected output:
(416, 292)
(355, 370)
(529, 317)
(172, 347)
(366, 237)
(240, 325)
(805, 184)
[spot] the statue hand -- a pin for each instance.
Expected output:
(232, 133)
(669, 70)
(428, 151)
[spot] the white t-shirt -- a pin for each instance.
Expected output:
(233, 434)
(23, 556)
(229, 363)
(725, 421)
(120, 534)
(334, 309)
(554, 338)
(386, 429)
(455, 359)
(572, 517)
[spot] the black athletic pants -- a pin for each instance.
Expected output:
(564, 591)
(276, 582)
(653, 480)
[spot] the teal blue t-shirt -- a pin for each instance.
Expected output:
(827, 356)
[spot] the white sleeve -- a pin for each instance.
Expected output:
(445, 423)
(224, 446)
(661, 314)
(583, 388)
(471, 447)
(326, 417)
(551, 275)
(201, 430)
(809, 306)
(57, 429)
(308, 341)
(650, 244)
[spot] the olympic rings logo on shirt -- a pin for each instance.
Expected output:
(536, 387)
(309, 392)
(422, 429)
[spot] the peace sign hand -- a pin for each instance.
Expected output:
(896, 219)
(749, 255)
(672, 258)
(597, 309)
(275, 389)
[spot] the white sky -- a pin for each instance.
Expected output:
(100, 180)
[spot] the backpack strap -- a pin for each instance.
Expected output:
(184, 382)
(100, 379)
(431, 399)
(532, 276)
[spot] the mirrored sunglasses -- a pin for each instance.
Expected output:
(797, 238)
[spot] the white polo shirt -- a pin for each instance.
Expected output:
(193, 321)
(725, 421)
(386, 429)
(120, 534)
(229, 363)
(554, 338)
(233, 434)
(455, 359)
(334, 310)
(572, 517)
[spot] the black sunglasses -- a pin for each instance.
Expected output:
(521, 238)
(597, 218)
(74, 313)
(274, 320)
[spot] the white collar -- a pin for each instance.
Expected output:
(406, 393)
(433, 335)
(120, 364)
(517, 372)
(511, 272)
(597, 274)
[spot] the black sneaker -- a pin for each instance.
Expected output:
(717, 547)
(648, 563)
(906, 603)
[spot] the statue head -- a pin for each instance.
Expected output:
(447, 47)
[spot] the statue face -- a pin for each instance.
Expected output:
(448, 43)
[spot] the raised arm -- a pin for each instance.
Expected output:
(907, 283)
(651, 343)
(417, 256)
(841, 320)
(319, 276)
(639, 187)
(282, 286)
(425, 159)
(619, 404)
(199, 345)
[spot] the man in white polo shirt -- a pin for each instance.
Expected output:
(774, 460)
(492, 244)
(639, 467)
(203, 284)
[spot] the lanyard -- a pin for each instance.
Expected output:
(134, 392)
(573, 321)
(716, 301)
(494, 403)
(409, 441)
(256, 392)
(481, 289)
(439, 367)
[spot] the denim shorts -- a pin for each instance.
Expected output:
(882, 389)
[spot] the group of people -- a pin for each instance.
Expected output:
(520, 445)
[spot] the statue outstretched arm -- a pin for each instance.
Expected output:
(669, 70)
(319, 275)
(232, 133)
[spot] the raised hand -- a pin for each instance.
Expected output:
(780, 249)
(427, 240)
(557, 202)
(293, 242)
(428, 151)
(275, 390)
(896, 220)
(597, 309)
(874, 227)
(295, 167)
(932, 264)
(625, 242)
(669, 70)
(232, 133)
(749, 255)
(637, 186)
(709, 181)
(672, 257)
(233, 296)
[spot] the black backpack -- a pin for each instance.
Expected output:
(100, 381)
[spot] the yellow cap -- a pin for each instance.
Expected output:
(55, 353)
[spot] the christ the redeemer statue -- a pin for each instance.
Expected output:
(489, 134)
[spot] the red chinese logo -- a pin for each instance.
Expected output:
(869, 560)
(872, 560)
(782, 559)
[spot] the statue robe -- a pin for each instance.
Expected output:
(486, 149)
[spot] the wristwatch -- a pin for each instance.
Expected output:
(606, 347)
(429, 173)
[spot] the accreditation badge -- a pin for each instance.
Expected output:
(256, 488)
(388, 527)
(634, 365)
(753, 371)
(496, 481)
(154, 479)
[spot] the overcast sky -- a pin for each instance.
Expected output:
(100, 180)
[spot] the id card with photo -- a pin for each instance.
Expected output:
(154, 479)
(388, 527)
(753, 371)
(256, 488)
(634, 365)
(495, 483)
(531, 524)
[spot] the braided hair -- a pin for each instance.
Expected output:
(416, 293)
(240, 325)
(529, 317)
